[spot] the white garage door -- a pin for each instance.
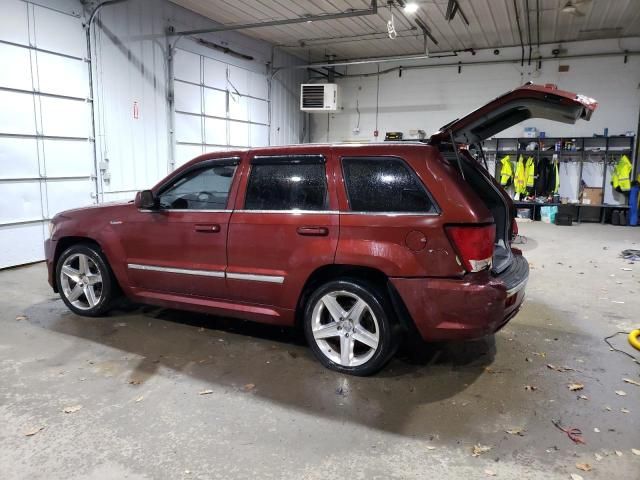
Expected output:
(218, 106)
(46, 153)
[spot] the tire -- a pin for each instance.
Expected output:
(349, 325)
(85, 281)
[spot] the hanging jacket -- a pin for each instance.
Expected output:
(554, 176)
(520, 179)
(506, 171)
(543, 169)
(621, 177)
(530, 175)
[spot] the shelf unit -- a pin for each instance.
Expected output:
(582, 150)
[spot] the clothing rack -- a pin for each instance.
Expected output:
(581, 150)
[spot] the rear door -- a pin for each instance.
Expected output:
(284, 227)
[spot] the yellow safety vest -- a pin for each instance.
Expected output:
(530, 172)
(621, 177)
(506, 171)
(556, 185)
(520, 179)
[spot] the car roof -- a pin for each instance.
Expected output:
(300, 147)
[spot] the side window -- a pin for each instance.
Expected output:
(384, 184)
(287, 183)
(206, 188)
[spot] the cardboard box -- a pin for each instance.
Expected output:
(591, 196)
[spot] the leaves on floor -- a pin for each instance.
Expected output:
(72, 409)
(516, 431)
(575, 476)
(575, 386)
(635, 451)
(490, 472)
(622, 393)
(140, 398)
(632, 382)
(478, 450)
(205, 392)
(248, 387)
(33, 431)
(585, 467)
(560, 369)
(21, 317)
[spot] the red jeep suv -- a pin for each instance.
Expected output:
(357, 244)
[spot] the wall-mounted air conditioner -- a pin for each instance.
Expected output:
(318, 97)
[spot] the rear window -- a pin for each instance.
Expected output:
(287, 183)
(384, 184)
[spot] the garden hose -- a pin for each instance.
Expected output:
(634, 339)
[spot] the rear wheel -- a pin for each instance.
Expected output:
(348, 324)
(84, 280)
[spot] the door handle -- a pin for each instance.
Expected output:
(207, 228)
(313, 231)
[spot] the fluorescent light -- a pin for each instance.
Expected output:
(411, 7)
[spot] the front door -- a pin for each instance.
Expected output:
(180, 247)
(284, 227)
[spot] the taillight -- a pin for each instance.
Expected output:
(474, 245)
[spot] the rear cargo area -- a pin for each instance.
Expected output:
(490, 194)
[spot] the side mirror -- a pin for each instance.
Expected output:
(146, 200)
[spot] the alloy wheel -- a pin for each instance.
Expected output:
(81, 281)
(345, 328)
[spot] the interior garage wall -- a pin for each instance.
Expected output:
(430, 98)
(134, 117)
(47, 161)
(46, 149)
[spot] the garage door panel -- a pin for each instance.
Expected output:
(188, 128)
(21, 244)
(14, 25)
(238, 134)
(188, 98)
(186, 153)
(16, 72)
(238, 107)
(68, 158)
(18, 116)
(62, 76)
(59, 32)
(215, 103)
(239, 80)
(18, 158)
(215, 131)
(259, 135)
(258, 85)
(215, 74)
(187, 66)
(66, 194)
(258, 111)
(64, 118)
(20, 201)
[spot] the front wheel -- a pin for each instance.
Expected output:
(84, 280)
(348, 325)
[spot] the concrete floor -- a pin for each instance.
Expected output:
(138, 375)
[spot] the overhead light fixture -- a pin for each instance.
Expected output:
(411, 7)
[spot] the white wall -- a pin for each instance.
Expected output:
(131, 67)
(429, 98)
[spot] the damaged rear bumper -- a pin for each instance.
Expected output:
(459, 309)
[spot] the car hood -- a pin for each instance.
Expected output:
(527, 101)
(93, 209)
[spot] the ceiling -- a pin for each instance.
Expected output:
(492, 24)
